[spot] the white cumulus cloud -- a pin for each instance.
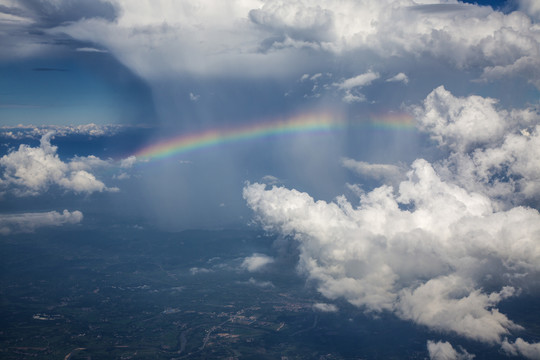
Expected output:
(492, 151)
(530, 7)
(128, 162)
(32, 171)
(443, 350)
(256, 262)
(523, 348)
(463, 231)
(460, 123)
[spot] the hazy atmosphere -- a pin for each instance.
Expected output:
(337, 170)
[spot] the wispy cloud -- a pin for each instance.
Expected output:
(323, 307)
(383, 172)
(29, 222)
(91, 50)
(36, 132)
(401, 77)
(352, 85)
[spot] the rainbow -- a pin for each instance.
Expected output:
(392, 121)
(189, 142)
(306, 123)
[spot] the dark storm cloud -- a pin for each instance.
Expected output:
(11, 11)
(313, 24)
(24, 28)
(48, 14)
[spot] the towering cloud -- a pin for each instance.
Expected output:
(430, 247)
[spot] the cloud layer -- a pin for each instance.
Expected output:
(253, 38)
(29, 222)
(36, 132)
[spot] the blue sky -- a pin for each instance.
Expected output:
(72, 88)
(452, 178)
